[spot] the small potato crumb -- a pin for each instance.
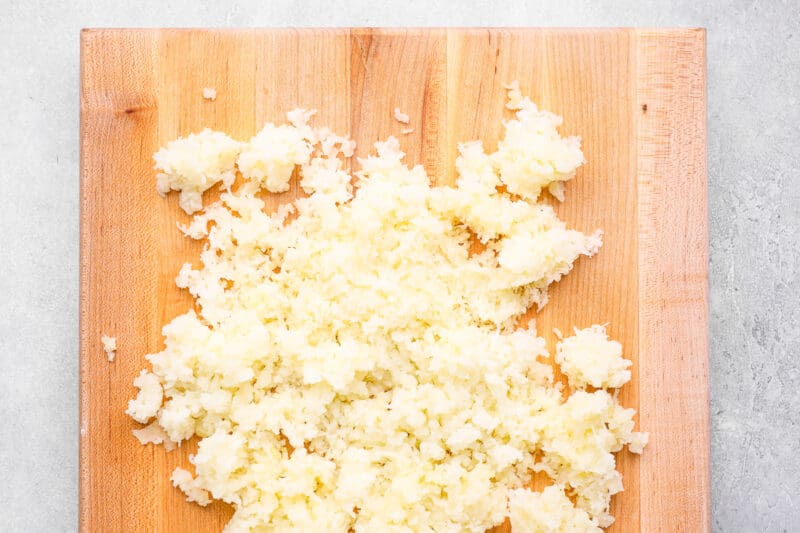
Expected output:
(209, 93)
(194, 493)
(153, 433)
(148, 401)
(406, 131)
(110, 346)
(399, 116)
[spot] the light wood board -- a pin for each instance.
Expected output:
(637, 98)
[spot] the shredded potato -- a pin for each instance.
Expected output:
(359, 367)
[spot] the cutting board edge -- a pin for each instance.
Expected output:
(673, 275)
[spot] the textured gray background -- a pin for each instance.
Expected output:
(753, 80)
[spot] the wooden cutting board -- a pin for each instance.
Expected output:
(637, 97)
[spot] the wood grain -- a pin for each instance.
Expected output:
(637, 98)
(673, 279)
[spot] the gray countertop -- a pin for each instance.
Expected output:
(754, 194)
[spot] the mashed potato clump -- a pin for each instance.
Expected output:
(532, 155)
(549, 511)
(194, 164)
(590, 358)
(359, 366)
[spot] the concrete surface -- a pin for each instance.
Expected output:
(753, 80)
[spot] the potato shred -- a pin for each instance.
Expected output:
(358, 365)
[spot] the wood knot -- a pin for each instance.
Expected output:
(131, 109)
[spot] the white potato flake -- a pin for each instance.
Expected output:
(209, 93)
(147, 402)
(154, 434)
(360, 355)
(399, 116)
(109, 346)
(638, 440)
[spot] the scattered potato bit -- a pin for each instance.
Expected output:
(110, 346)
(638, 442)
(209, 93)
(147, 402)
(399, 116)
(153, 433)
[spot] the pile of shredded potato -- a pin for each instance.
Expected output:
(356, 365)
